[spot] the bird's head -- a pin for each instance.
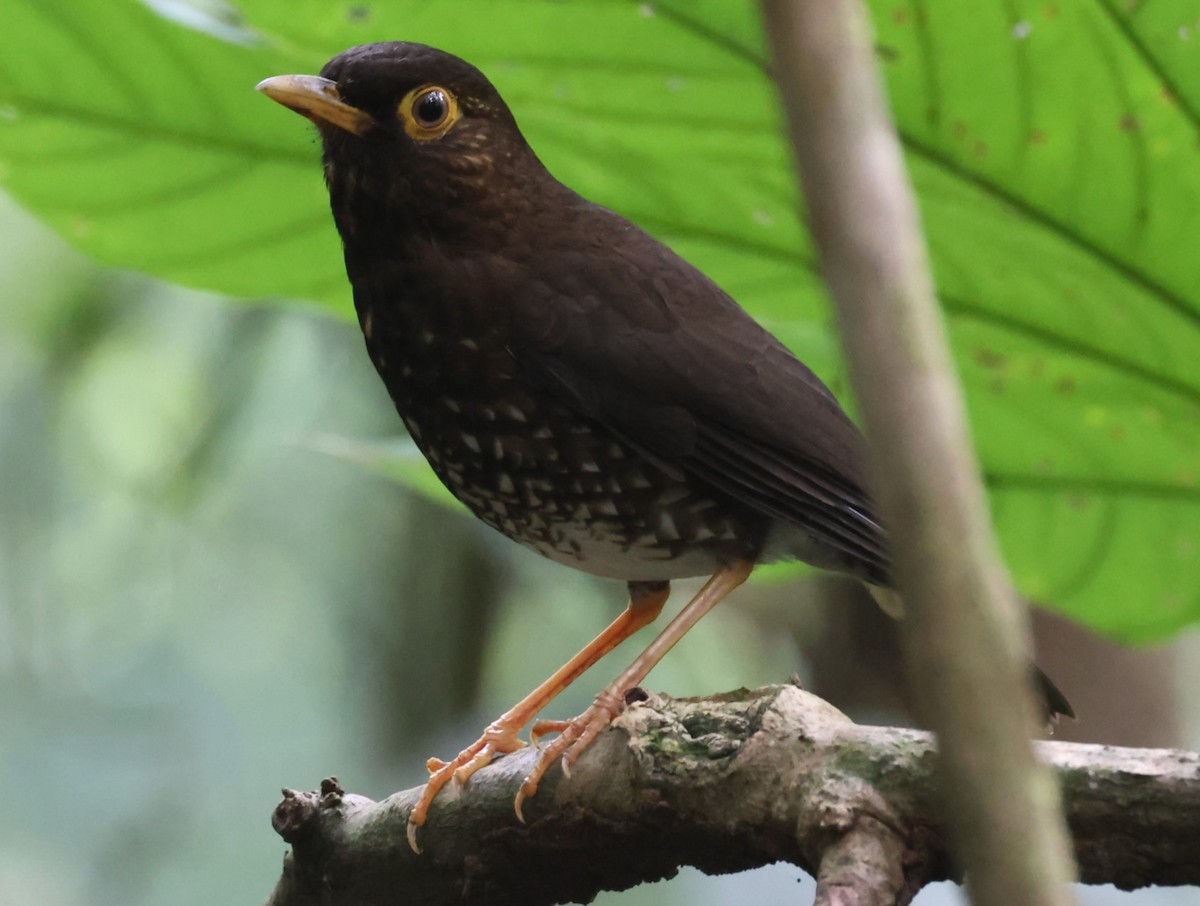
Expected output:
(413, 137)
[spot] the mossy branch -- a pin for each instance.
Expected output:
(724, 784)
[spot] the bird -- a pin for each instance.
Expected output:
(574, 382)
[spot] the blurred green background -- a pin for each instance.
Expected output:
(219, 574)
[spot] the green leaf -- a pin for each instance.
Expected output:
(143, 142)
(1055, 148)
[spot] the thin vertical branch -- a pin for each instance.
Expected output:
(966, 633)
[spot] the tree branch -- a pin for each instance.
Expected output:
(725, 784)
(966, 636)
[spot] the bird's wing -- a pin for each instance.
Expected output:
(629, 334)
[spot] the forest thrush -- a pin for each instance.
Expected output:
(574, 382)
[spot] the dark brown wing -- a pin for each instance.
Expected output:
(630, 334)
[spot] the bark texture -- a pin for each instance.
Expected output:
(724, 784)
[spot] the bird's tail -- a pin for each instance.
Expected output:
(1056, 703)
(1051, 697)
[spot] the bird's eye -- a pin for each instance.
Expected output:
(429, 112)
(431, 107)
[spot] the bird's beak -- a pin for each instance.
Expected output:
(317, 99)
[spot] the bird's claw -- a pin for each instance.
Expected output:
(574, 737)
(499, 738)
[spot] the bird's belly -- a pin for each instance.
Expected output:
(613, 559)
(565, 487)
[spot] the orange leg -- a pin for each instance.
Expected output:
(576, 735)
(646, 600)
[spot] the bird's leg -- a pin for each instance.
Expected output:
(646, 600)
(576, 735)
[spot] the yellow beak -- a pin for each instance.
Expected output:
(317, 99)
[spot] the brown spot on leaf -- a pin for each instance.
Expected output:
(990, 358)
(1065, 386)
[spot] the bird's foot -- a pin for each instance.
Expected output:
(500, 738)
(574, 737)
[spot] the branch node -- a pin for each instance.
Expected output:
(293, 817)
(331, 793)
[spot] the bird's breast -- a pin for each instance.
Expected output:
(544, 475)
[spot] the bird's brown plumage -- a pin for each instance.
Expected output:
(470, 237)
(578, 385)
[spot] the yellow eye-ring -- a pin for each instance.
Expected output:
(428, 112)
